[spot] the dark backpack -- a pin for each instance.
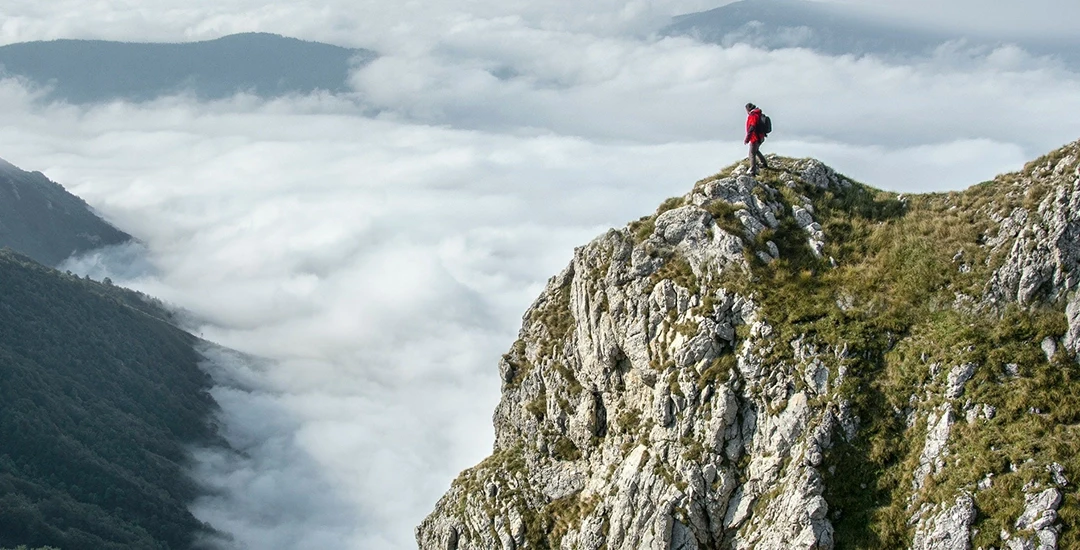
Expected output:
(766, 125)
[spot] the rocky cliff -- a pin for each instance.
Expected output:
(797, 361)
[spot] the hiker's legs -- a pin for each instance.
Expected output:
(764, 163)
(755, 153)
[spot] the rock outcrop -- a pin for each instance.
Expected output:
(795, 361)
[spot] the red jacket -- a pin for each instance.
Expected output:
(753, 121)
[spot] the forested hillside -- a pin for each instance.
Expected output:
(99, 394)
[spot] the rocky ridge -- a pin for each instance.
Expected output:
(797, 361)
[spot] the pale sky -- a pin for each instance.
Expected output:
(377, 265)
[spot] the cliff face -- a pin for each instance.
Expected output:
(797, 361)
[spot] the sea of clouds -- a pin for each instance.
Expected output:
(358, 264)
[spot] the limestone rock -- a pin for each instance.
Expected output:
(949, 529)
(1072, 315)
(958, 378)
(1044, 242)
(939, 426)
(1037, 527)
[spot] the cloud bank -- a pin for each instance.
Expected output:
(369, 257)
(380, 269)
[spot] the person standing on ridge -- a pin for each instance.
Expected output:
(755, 134)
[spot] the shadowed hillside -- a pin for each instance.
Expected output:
(39, 218)
(99, 394)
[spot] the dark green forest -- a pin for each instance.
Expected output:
(99, 394)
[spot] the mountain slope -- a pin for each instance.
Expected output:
(841, 29)
(99, 394)
(797, 361)
(268, 65)
(820, 26)
(40, 219)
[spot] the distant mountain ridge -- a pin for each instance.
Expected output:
(40, 219)
(836, 29)
(267, 65)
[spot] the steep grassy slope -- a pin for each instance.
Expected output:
(901, 286)
(99, 393)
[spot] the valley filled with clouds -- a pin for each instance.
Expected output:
(369, 254)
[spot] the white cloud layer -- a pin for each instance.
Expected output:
(380, 267)
(374, 258)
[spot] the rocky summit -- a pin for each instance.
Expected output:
(797, 360)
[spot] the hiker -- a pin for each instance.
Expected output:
(755, 134)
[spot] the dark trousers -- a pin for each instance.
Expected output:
(755, 154)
